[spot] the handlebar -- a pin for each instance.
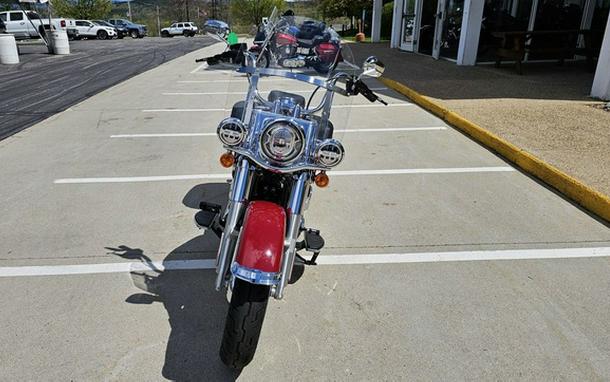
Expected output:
(358, 87)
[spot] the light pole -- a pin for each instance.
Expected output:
(129, 9)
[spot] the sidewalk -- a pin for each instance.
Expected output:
(546, 111)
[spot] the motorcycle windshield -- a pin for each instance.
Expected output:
(302, 45)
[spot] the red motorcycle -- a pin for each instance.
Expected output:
(295, 42)
(278, 146)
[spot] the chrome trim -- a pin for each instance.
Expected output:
(255, 276)
(298, 194)
(250, 147)
(235, 208)
(328, 84)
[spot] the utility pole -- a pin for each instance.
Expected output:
(186, 2)
(129, 9)
(158, 22)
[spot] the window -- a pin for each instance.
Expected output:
(16, 16)
(3, 17)
(173, 26)
(80, 24)
(180, 25)
(501, 16)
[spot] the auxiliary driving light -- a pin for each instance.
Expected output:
(231, 131)
(330, 153)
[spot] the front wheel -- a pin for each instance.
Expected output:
(244, 323)
(102, 35)
(134, 34)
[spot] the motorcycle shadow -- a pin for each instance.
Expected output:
(195, 309)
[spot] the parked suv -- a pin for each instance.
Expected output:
(120, 31)
(134, 30)
(91, 30)
(188, 29)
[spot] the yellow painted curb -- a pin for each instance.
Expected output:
(587, 197)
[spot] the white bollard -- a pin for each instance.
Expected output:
(8, 49)
(60, 42)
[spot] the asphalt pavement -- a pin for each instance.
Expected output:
(442, 262)
(43, 85)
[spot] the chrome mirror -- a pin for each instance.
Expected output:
(373, 67)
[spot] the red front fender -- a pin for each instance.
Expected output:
(261, 242)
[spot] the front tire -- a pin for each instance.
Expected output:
(102, 35)
(244, 323)
(133, 34)
(165, 34)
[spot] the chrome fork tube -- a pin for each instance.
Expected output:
(295, 217)
(235, 208)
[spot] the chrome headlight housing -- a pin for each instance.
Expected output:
(231, 131)
(329, 153)
(282, 142)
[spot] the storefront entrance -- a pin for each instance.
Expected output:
(432, 27)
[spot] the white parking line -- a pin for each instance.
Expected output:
(197, 69)
(403, 171)
(380, 130)
(243, 93)
(377, 258)
(182, 110)
(244, 79)
(222, 109)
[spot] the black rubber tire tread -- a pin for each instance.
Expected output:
(244, 324)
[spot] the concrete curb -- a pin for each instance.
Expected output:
(583, 195)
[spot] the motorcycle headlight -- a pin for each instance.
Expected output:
(330, 153)
(231, 131)
(282, 142)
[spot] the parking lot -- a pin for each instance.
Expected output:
(442, 261)
(43, 85)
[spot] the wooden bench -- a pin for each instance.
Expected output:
(515, 45)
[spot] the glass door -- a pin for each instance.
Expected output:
(410, 25)
(451, 28)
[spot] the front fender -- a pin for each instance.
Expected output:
(261, 244)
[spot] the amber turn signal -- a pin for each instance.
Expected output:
(322, 180)
(227, 160)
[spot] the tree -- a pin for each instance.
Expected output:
(343, 8)
(82, 9)
(251, 12)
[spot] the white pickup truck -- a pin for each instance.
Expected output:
(17, 23)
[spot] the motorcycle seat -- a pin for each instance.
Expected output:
(310, 43)
(305, 43)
